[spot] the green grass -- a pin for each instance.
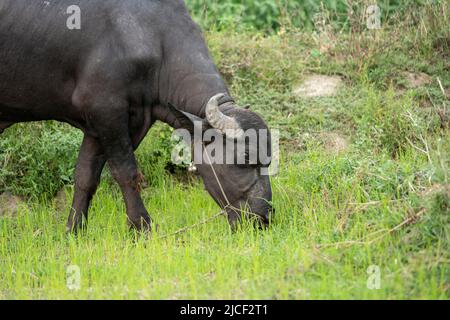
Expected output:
(383, 201)
(313, 196)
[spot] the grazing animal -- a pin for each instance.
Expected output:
(125, 67)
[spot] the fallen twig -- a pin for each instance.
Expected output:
(374, 203)
(407, 221)
(364, 241)
(441, 87)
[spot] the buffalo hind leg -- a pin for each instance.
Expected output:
(91, 161)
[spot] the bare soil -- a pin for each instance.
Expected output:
(318, 86)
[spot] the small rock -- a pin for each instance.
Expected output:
(318, 86)
(416, 80)
(333, 142)
(9, 204)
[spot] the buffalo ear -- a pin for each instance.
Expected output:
(184, 120)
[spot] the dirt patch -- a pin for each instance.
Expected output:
(433, 189)
(9, 205)
(318, 86)
(334, 142)
(416, 80)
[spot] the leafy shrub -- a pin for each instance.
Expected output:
(38, 159)
(154, 154)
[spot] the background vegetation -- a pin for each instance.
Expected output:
(271, 15)
(363, 178)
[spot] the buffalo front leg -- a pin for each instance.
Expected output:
(122, 163)
(91, 161)
(119, 150)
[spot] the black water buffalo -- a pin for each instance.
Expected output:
(123, 67)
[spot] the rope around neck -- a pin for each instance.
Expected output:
(219, 214)
(205, 221)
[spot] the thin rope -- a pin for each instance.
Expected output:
(183, 230)
(205, 221)
(217, 179)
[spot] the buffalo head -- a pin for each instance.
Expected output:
(232, 153)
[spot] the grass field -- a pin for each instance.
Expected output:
(362, 196)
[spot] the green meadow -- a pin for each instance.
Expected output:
(361, 197)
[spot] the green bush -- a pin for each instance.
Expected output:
(270, 15)
(38, 159)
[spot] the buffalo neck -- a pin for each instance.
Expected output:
(188, 76)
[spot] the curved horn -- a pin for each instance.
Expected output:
(224, 124)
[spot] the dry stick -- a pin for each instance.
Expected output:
(362, 242)
(426, 151)
(374, 203)
(405, 222)
(440, 86)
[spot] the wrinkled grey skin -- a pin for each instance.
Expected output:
(113, 79)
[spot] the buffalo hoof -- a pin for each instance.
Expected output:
(76, 229)
(142, 224)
